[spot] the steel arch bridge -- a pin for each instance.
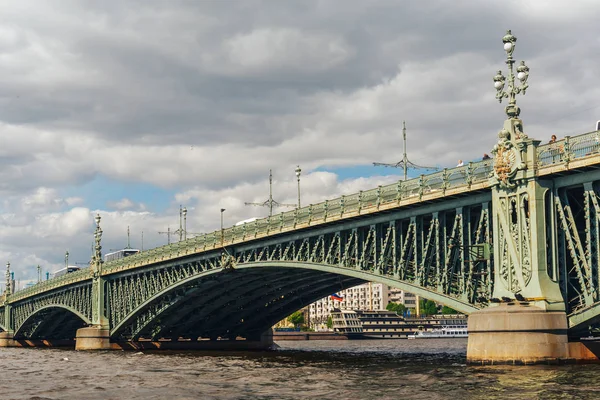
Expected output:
(430, 236)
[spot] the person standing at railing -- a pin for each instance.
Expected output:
(485, 157)
(460, 163)
(555, 150)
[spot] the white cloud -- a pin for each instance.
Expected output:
(123, 204)
(276, 48)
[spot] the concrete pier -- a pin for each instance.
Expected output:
(517, 333)
(7, 340)
(92, 338)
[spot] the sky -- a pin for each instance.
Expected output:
(132, 108)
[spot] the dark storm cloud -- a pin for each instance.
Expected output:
(259, 73)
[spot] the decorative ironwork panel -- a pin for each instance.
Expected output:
(76, 297)
(578, 215)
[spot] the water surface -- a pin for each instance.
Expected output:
(373, 369)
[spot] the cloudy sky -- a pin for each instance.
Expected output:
(133, 108)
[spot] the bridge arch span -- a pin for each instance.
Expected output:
(368, 276)
(55, 321)
(241, 295)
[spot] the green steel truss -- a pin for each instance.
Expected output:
(430, 236)
(574, 252)
(54, 314)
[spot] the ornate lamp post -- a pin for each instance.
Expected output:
(184, 212)
(512, 110)
(222, 231)
(508, 155)
(530, 308)
(96, 336)
(8, 279)
(298, 171)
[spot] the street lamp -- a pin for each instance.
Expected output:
(512, 110)
(222, 231)
(184, 212)
(298, 171)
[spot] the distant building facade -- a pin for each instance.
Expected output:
(401, 297)
(366, 297)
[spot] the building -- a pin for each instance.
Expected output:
(399, 296)
(366, 297)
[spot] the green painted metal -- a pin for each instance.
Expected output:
(152, 307)
(32, 318)
(453, 302)
(429, 235)
(519, 203)
(75, 298)
(99, 316)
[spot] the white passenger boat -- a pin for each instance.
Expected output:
(458, 331)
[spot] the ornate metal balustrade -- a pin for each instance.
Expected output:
(575, 248)
(569, 148)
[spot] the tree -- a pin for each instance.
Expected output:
(448, 310)
(296, 318)
(396, 307)
(428, 307)
(329, 322)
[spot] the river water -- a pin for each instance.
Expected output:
(340, 370)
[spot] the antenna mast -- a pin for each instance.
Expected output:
(168, 233)
(405, 163)
(270, 202)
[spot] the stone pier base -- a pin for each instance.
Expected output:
(92, 338)
(521, 334)
(7, 340)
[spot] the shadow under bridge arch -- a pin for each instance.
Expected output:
(366, 276)
(53, 321)
(242, 302)
(248, 300)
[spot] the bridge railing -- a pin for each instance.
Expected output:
(73, 277)
(568, 149)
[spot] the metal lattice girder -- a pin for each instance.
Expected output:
(579, 276)
(75, 298)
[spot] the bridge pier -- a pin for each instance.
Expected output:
(518, 333)
(7, 340)
(92, 338)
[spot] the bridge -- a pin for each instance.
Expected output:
(514, 241)
(431, 236)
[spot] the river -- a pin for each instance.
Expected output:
(328, 370)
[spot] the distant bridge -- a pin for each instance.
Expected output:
(431, 236)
